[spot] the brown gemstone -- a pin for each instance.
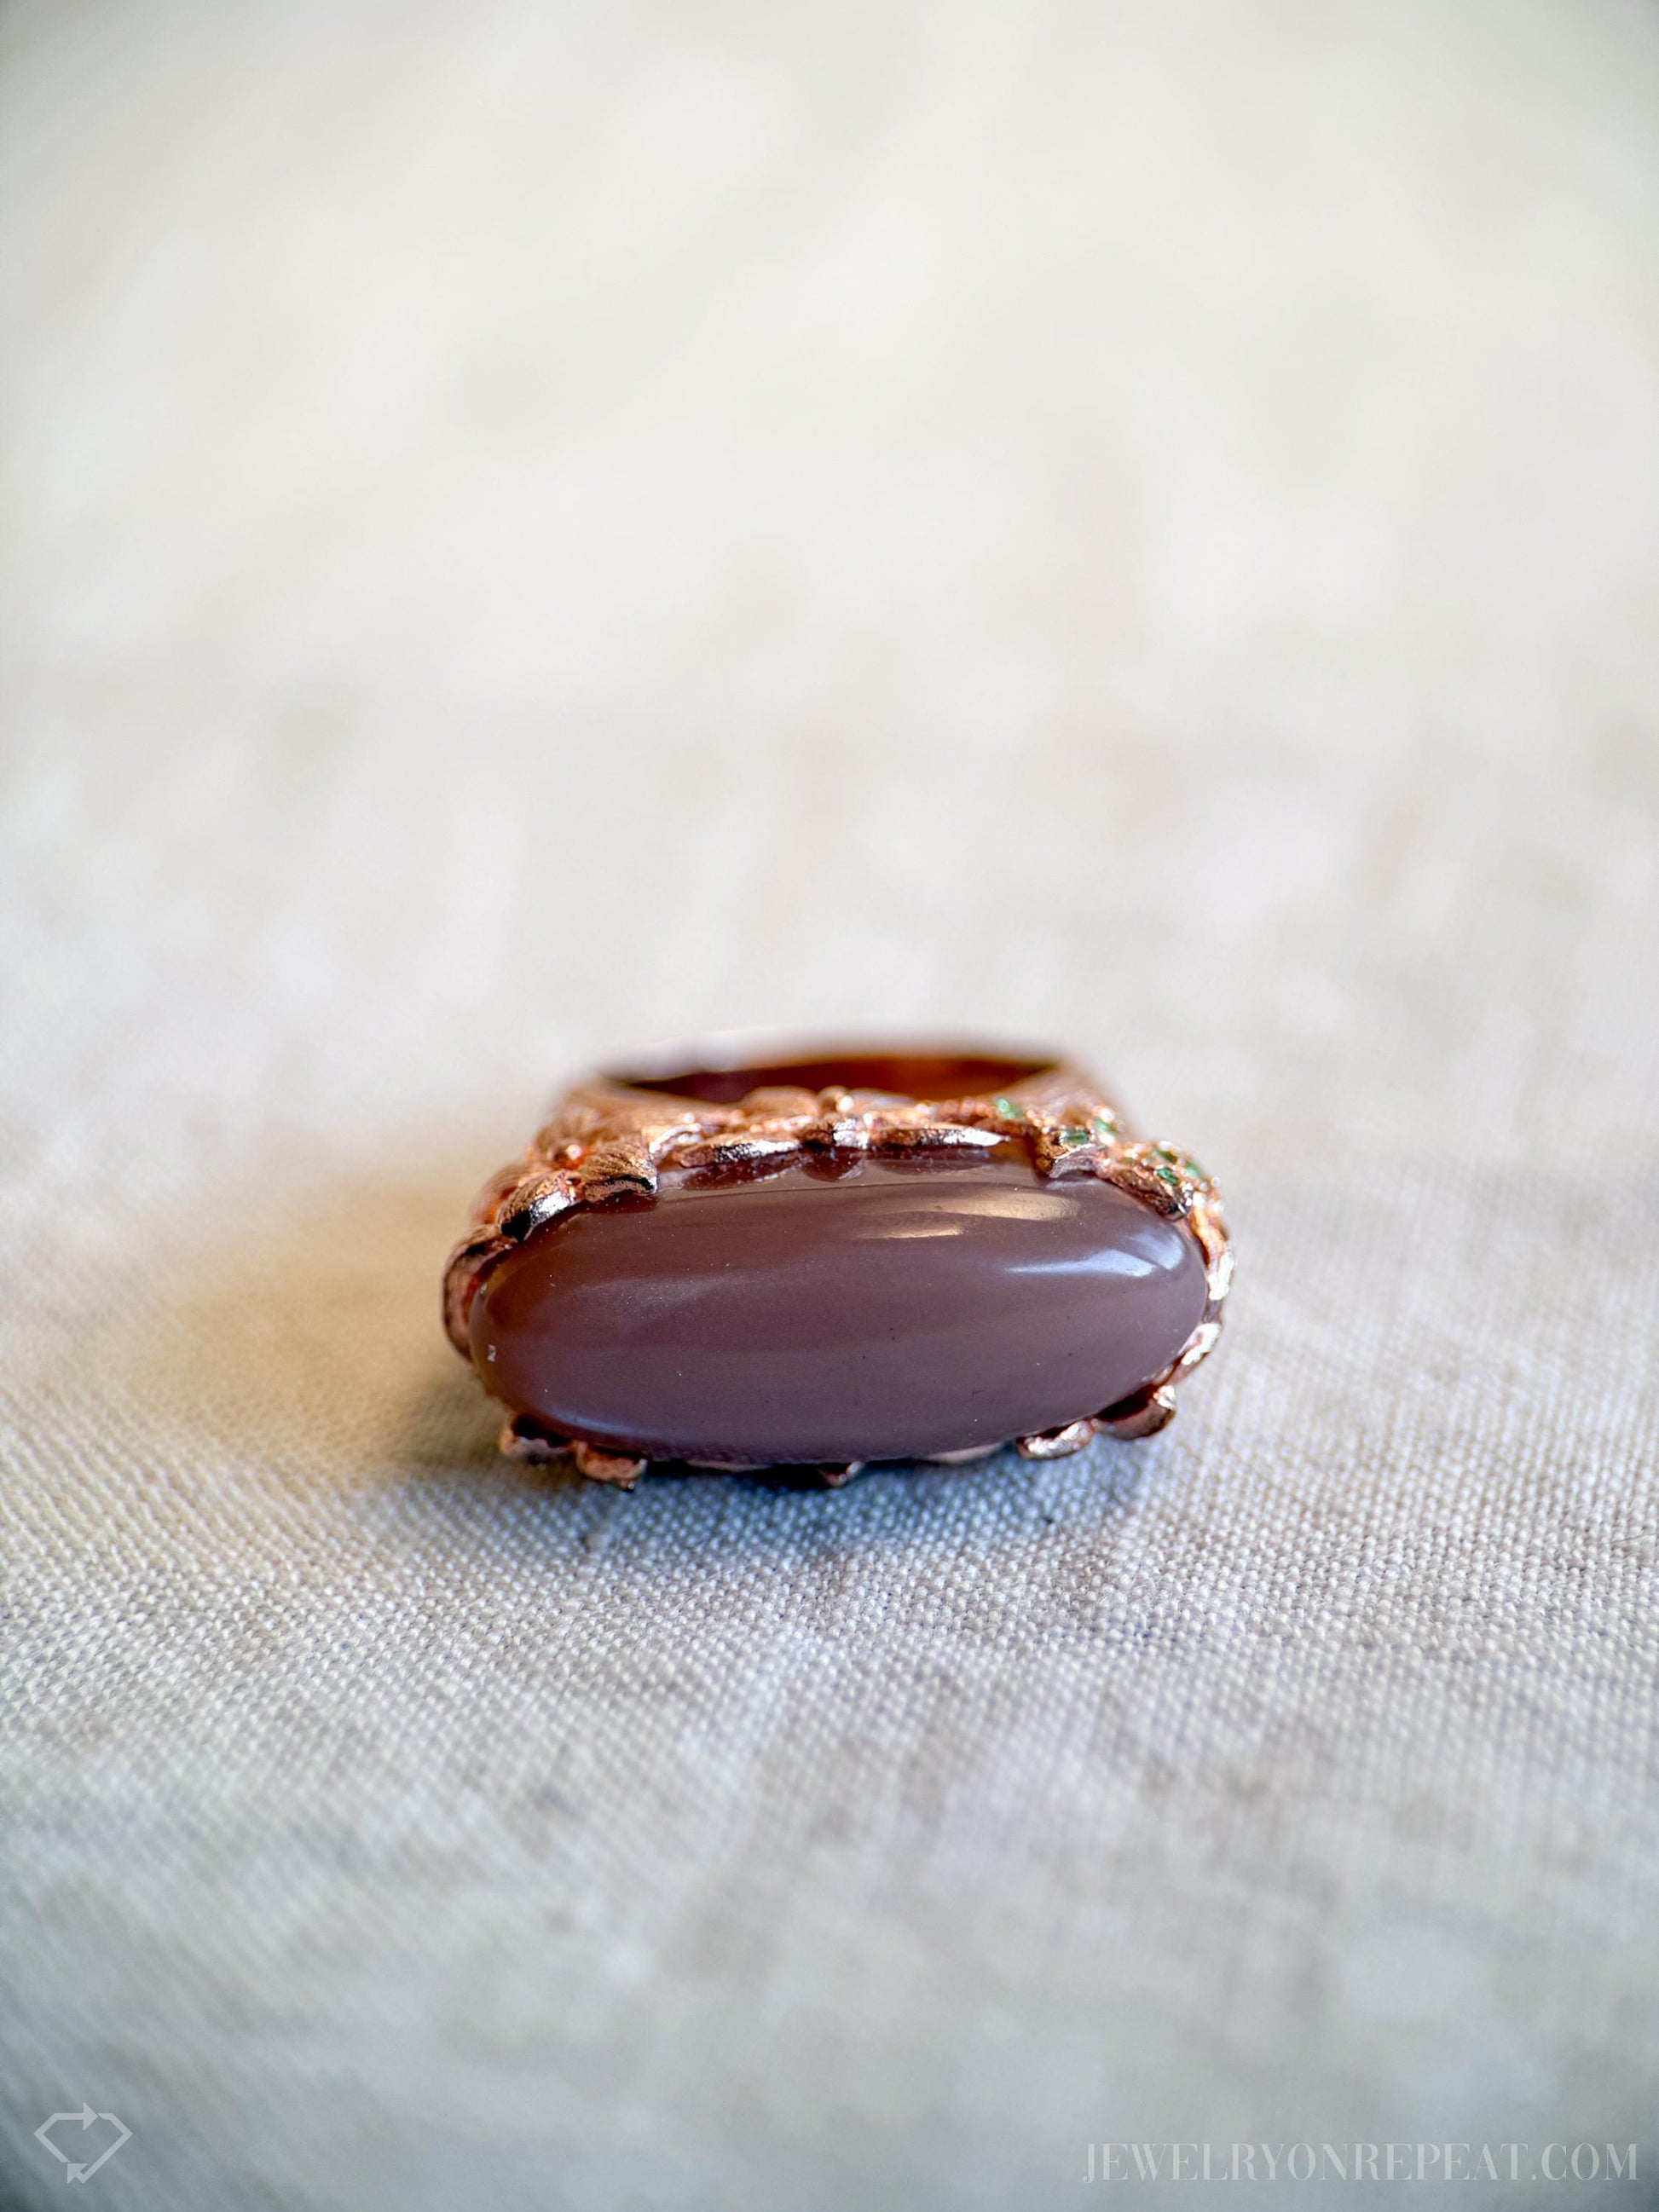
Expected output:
(839, 1309)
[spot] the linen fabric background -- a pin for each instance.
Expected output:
(535, 529)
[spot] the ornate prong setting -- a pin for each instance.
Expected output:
(611, 1139)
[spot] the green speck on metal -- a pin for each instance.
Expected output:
(1072, 1134)
(1011, 1111)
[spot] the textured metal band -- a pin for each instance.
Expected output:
(610, 1135)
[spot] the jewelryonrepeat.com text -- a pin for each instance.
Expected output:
(1358, 2161)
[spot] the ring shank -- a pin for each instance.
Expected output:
(923, 1076)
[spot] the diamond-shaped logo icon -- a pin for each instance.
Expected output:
(83, 2169)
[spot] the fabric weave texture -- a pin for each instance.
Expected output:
(539, 530)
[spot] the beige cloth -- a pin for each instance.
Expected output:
(537, 528)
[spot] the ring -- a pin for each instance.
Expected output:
(832, 1258)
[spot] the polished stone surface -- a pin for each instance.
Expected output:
(839, 1309)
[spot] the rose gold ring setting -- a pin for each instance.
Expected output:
(837, 1257)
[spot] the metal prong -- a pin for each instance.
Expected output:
(621, 1468)
(839, 1471)
(524, 1439)
(1056, 1444)
(1143, 1415)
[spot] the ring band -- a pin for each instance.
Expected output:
(836, 1257)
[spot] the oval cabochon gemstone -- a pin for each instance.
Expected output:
(861, 1309)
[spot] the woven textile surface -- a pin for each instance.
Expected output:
(533, 530)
